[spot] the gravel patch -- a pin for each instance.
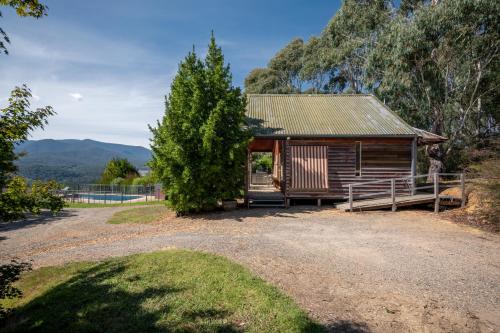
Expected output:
(364, 272)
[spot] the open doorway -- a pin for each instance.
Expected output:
(262, 169)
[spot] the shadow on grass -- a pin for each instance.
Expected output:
(45, 217)
(108, 298)
(90, 302)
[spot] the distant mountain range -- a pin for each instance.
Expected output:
(74, 161)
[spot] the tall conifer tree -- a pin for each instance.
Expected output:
(199, 147)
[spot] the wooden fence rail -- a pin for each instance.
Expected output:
(412, 189)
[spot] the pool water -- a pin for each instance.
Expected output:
(109, 197)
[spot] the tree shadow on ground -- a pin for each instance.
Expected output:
(91, 302)
(45, 217)
(241, 214)
(347, 326)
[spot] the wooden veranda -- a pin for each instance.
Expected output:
(415, 194)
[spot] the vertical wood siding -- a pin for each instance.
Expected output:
(380, 159)
(309, 167)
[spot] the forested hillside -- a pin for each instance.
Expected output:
(74, 161)
(435, 62)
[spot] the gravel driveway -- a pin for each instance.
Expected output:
(407, 271)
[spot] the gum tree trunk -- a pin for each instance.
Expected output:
(435, 153)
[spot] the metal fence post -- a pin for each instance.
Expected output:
(350, 197)
(393, 194)
(462, 185)
(436, 193)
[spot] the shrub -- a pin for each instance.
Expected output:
(17, 199)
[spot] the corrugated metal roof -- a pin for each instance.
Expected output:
(322, 116)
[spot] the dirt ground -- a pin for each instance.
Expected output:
(409, 271)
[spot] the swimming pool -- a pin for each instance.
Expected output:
(109, 197)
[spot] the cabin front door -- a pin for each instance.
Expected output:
(309, 168)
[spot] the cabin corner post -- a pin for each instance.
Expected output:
(436, 193)
(413, 165)
(350, 198)
(248, 169)
(393, 194)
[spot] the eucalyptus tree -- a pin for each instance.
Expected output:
(349, 38)
(438, 65)
(287, 64)
(316, 65)
(262, 81)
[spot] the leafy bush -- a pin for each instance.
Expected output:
(262, 161)
(148, 179)
(17, 199)
(118, 181)
(119, 168)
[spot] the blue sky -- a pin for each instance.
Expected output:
(105, 65)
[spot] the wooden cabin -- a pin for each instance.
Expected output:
(322, 143)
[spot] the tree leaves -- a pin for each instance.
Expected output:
(199, 146)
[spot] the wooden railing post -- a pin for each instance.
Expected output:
(436, 193)
(462, 185)
(393, 194)
(350, 197)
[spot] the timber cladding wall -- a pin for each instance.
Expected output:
(380, 159)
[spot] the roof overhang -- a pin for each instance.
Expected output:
(428, 138)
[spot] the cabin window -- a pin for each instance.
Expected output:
(358, 159)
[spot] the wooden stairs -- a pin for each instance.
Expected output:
(265, 197)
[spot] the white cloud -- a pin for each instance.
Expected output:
(119, 86)
(77, 96)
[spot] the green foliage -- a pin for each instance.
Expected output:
(349, 38)
(262, 81)
(199, 147)
(262, 161)
(119, 171)
(10, 273)
(149, 179)
(287, 64)
(32, 8)
(439, 67)
(315, 64)
(16, 122)
(17, 198)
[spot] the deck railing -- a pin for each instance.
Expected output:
(409, 186)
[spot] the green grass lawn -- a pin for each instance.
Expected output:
(98, 205)
(168, 291)
(139, 215)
